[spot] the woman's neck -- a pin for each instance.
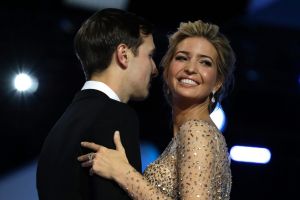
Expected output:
(185, 112)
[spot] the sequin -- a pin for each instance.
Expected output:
(195, 165)
(186, 167)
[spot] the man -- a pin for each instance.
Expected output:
(115, 49)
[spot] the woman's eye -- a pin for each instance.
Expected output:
(206, 62)
(180, 58)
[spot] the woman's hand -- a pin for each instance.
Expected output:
(107, 163)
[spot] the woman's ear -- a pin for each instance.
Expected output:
(217, 86)
(122, 57)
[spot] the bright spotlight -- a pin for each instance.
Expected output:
(250, 154)
(25, 83)
(218, 117)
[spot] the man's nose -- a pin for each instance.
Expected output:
(154, 71)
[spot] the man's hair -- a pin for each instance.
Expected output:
(99, 36)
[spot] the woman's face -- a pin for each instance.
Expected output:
(192, 74)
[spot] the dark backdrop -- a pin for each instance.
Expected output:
(263, 109)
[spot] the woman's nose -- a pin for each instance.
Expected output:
(190, 67)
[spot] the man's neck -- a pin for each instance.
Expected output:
(113, 82)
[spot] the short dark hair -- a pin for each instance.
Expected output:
(99, 36)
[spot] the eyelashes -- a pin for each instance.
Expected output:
(180, 58)
(204, 62)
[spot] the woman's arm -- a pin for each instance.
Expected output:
(113, 164)
(196, 152)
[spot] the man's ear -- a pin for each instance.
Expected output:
(122, 57)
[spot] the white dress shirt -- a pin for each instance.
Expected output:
(102, 87)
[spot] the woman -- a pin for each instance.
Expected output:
(198, 67)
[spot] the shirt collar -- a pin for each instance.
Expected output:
(102, 87)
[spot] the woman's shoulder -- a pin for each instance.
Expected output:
(202, 132)
(200, 129)
(198, 124)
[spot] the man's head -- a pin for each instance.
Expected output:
(117, 46)
(99, 36)
(140, 69)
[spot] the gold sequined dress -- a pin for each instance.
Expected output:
(195, 165)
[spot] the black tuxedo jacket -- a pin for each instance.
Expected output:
(92, 116)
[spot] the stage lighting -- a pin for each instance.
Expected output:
(98, 4)
(256, 5)
(149, 153)
(25, 83)
(250, 154)
(218, 117)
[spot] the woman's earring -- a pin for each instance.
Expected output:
(213, 100)
(168, 91)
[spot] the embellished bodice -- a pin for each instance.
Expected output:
(162, 173)
(194, 164)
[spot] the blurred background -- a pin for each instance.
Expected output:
(36, 38)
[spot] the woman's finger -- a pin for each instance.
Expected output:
(117, 141)
(87, 164)
(91, 145)
(85, 157)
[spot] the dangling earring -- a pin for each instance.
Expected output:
(168, 91)
(213, 100)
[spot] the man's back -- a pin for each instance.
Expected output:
(92, 116)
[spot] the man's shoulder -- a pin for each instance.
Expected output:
(96, 105)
